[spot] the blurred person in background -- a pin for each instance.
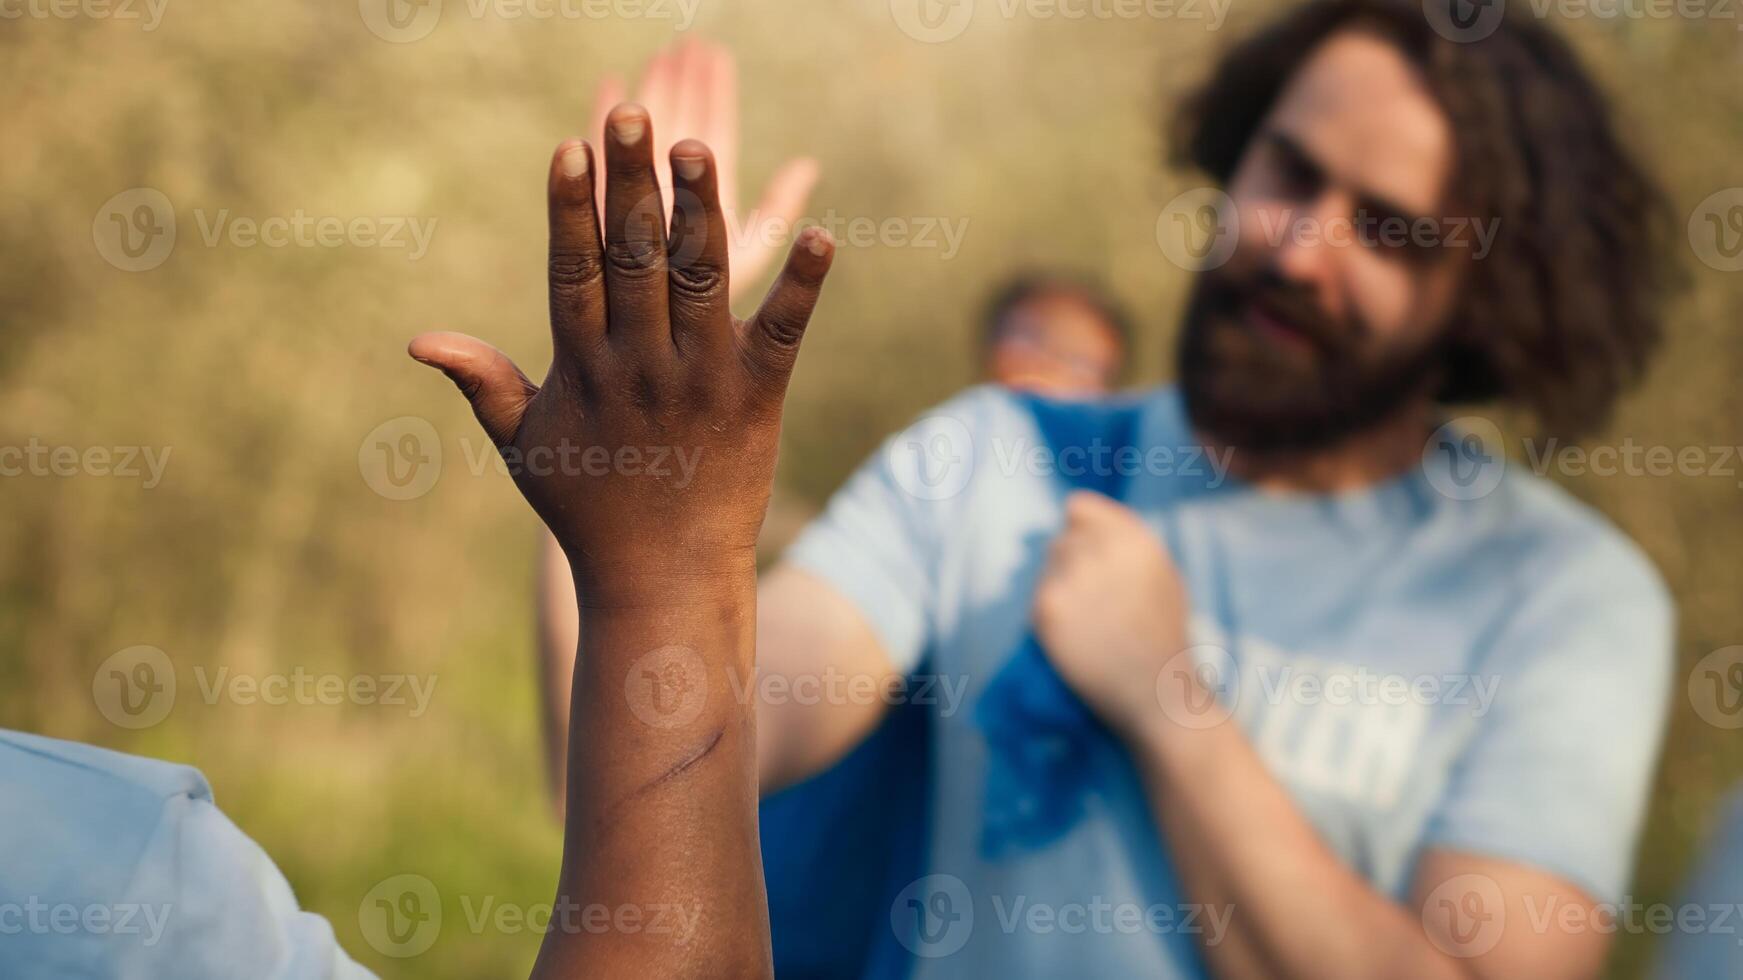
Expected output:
(1054, 335)
(1418, 223)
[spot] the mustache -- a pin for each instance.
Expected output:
(1292, 304)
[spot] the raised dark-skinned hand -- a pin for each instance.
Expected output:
(649, 448)
(649, 451)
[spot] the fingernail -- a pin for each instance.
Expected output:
(688, 168)
(817, 243)
(628, 128)
(574, 161)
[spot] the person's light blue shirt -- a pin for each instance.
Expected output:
(122, 867)
(1459, 658)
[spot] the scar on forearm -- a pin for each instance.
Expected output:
(679, 768)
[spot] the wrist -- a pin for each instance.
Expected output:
(664, 579)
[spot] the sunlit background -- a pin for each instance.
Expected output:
(261, 379)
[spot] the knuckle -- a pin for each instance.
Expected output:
(782, 327)
(636, 258)
(698, 281)
(574, 269)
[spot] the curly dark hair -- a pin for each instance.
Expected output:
(1563, 314)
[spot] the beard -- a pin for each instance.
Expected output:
(1315, 384)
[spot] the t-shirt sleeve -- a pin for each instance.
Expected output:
(215, 905)
(880, 541)
(1558, 774)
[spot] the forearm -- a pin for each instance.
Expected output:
(661, 820)
(1240, 843)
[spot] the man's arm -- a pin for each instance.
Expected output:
(664, 820)
(1240, 843)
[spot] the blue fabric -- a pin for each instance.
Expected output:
(1043, 743)
(838, 847)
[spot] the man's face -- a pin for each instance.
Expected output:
(1055, 344)
(1319, 326)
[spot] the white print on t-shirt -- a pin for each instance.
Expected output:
(1330, 726)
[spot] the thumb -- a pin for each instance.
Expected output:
(498, 391)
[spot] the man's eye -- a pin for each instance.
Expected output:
(1296, 177)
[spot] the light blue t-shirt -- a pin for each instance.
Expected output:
(1452, 659)
(122, 867)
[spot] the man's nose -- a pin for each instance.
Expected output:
(1311, 250)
